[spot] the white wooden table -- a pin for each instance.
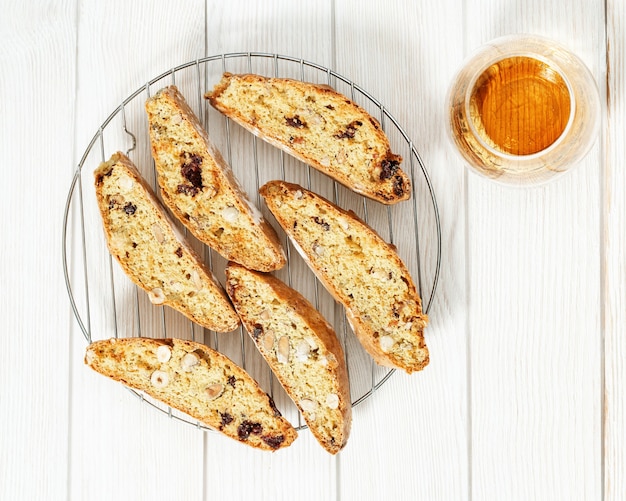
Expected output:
(524, 395)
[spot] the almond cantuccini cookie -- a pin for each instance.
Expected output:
(201, 190)
(318, 126)
(301, 348)
(198, 381)
(152, 253)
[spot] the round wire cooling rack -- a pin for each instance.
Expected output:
(107, 304)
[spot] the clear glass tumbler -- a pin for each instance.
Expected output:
(522, 110)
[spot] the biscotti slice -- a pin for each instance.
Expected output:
(198, 381)
(301, 348)
(201, 190)
(318, 126)
(360, 270)
(150, 250)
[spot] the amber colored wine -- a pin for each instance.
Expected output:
(520, 105)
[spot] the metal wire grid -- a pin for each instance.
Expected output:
(75, 209)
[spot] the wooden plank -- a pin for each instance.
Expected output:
(301, 30)
(614, 210)
(122, 448)
(404, 54)
(534, 322)
(38, 61)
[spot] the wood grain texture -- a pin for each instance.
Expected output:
(121, 448)
(614, 210)
(534, 290)
(37, 55)
(302, 30)
(414, 47)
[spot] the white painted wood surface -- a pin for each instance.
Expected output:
(613, 278)
(524, 396)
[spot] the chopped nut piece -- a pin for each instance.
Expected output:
(189, 361)
(156, 296)
(303, 350)
(214, 391)
(230, 214)
(159, 379)
(332, 401)
(307, 405)
(344, 224)
(317, 119)
(318, 249)
(283, 350)
(195, 279)
(332, 360)
(375, 174)
(117, 241)
(157, 231)
(298, 195)
(176, 286)
(380, 275)
(265, 314)
(268, 341)
(125, 183)
(163, 353)
(386, 343)
(341, 156)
